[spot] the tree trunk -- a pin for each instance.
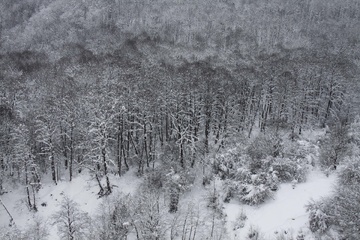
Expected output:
(52, 163)
(101, 192)
(145, 145)
(108, 187)
(119, 146)
(207, 126)
(71, 152)
(27, 184)
(327, 113)
(66, 162)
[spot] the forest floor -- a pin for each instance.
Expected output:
(83, 190)
(283, 215)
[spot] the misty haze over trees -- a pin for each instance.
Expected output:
(178, 91)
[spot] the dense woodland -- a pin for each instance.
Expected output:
(105, 86)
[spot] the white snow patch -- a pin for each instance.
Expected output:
(286, 212)
(82, 189)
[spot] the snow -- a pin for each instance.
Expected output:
(285, 212)
(82, 190)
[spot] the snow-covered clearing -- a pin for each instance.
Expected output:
(82, 190)
(285, 212)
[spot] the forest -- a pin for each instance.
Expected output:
(220, 92)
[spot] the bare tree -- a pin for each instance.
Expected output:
(72, 222)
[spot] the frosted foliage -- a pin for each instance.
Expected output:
(290, 169)
(12, 233)
(346, 209)
(354, 132)
(254, 234)
(318, 220)
(113, 220)
(342, 210)
(253, 189)
(262, 147)
(350, 172)
(255, 194)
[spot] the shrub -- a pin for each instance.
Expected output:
(345, 208)
(341, 210)
(300, 235)
(155, 178)
(240, 220)
(334, 147)
(350, 172)
(251, 189)
(289, 169)
(226, 164)
(285, 235)
(255, 194)
(262, 147)
(318, 219)
(254, 234)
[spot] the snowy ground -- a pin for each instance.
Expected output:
(286, 212)
(82, 190)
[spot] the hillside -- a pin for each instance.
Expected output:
(193, 107)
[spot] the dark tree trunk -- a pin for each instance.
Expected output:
(108, 186)
(52, 163)
(119, 145)
(207, 126)
(71, 152)
(27, 184)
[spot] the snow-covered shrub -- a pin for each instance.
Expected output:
(289, 169)
(251, 189)
(318, 219)
(260, 189)
(226, 163)
(214, 199)
(242, 175)
(334, 147)
(12, 233)
(148, 215)
(299, 149)
(37, 230)
(345, 208)
(354, 131)
(341, 211)
(255, 194)
(254, 234)
(113, 218)
(285, 235)
(177, 183)
(155, 178)
(300, 235)
(240, 220)
(262, 147)
(350, 172)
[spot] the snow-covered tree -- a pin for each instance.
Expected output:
(99, 139)
(26, 163)
(72, 222)
(114, 220)
(47, 136)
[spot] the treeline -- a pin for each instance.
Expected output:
(238, 29)
(110, 112)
